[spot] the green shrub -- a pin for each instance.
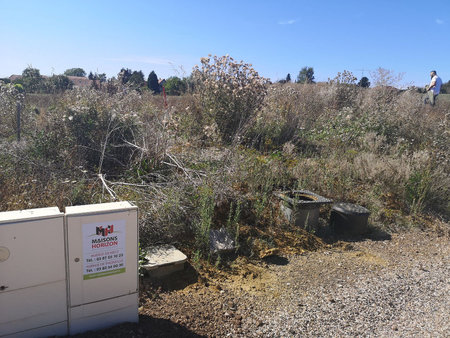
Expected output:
(101, 128)
(175, 86)
(202, 226)
(417, 190)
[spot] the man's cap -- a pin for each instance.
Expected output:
(433, 71)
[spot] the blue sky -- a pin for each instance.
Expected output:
(277, 37)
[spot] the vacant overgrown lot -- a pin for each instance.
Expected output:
(214, 157)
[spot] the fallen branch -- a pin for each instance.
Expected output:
(105, 186)
(185, 170)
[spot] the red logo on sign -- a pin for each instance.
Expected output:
(104, 231)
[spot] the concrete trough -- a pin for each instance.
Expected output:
(163, 260)
(301, 207)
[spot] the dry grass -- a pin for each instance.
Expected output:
(379, 147)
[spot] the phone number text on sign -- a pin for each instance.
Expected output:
(104, 249)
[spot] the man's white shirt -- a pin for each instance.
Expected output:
(436, 80)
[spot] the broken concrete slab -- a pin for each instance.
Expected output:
(220, 241)
(163, 260)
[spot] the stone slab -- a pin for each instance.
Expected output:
(163, 260)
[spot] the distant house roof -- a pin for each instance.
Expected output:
(15, 77)
(80, 81)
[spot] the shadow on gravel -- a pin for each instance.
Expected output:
(276, 260)
(147, 327)
(175, 281)
(375, 234)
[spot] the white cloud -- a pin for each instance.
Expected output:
(287, 22)
(439, 21)
(142, 59)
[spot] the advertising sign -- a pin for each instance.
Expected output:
(103, 249)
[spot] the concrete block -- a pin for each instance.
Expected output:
(164, 260)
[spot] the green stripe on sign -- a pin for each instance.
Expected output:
(103, 274)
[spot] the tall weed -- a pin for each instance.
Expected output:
(230, 92)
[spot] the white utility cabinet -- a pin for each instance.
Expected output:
(102, 261)
(33, 297)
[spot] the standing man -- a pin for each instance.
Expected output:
(433, 88)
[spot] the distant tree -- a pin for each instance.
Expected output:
(5, 80)
(31, 72)
(175, 86)
(189, 83)
(124, 75)
(101, 77)
(137, 79)
(288, 78)
(152, 82)
(97, 80)
(32, 80)
(75, 72)
(58, 84)
(97, 77)
(112, 86)
(306, 75)
(364, 82)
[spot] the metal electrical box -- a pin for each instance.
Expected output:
(102, 265)
(33, 301)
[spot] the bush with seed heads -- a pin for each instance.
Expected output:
(230, 92)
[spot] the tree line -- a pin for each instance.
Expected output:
(31, 81)
(306, 75)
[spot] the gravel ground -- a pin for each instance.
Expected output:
(398, 288)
